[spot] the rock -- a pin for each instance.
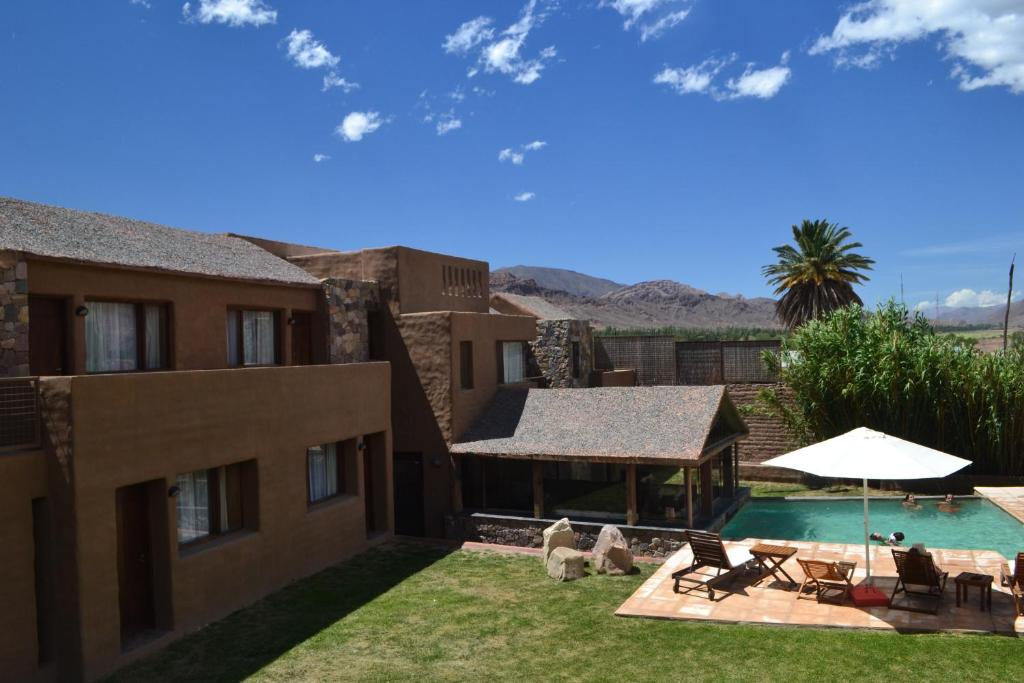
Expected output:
(565, 564)
(558, 535)
(611, 553)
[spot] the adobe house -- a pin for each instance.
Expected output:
(650, 456)
(187, 423)
(449, 355)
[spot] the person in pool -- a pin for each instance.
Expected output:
(895, 538)
(949, 504)
(910, 502)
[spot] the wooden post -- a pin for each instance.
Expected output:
(538, 489)
(631, 512)
(456, 484)
(707, 489)
(689, 497)
(727, 478)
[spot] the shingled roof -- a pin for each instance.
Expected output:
(665, 424)
(55, 232)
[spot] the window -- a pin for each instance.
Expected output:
(322, 463)
(512, 362)
(216, 501)
(252, 338)
(466, 364)
(576, 360)
(125, 337)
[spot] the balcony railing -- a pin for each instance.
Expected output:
(19, 413)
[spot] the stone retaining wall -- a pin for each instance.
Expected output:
(13, 315)
(768, 435)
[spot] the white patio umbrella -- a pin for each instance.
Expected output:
(866, 454)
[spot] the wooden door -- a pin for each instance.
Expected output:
(409, 494)
(368, 492)
(134, 562)
(47, 338)
(302, 338)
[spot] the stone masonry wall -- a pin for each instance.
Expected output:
(348, 302)
(13, 315)
(552, 352)
(768, 436)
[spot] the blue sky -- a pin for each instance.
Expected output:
(680, 139)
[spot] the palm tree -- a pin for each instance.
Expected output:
(817, 275)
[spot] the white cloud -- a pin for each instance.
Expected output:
(231, 12)
(141, 3)
(318, 158)
(502, 52)
(983, 38)
(535, 145)
(508, 155)
(468, 35)
(524, 196)
(651, 17)
(448, 122)
(700, 79)
(307, 52)
(333, 80)
(978, 246)
(970, 298)
(359, 124)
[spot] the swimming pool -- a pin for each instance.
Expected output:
(979, 525)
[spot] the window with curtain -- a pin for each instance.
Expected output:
(322, 463)
(513, 362)
(125, 337)
(216, 501)
(251, 337)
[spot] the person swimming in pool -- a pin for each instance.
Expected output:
(949, 504)
(910, 502)
(895, 538)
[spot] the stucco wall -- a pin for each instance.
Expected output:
(136, 428)
(421, 281)
(14, 320)
(198, 306)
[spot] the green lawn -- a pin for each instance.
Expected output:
(777, 489)
(417, 612)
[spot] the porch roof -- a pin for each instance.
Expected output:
(669, 425)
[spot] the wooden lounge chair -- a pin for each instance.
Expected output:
(1016, 582)
(827, 578)
(709, 551)
(918, 569)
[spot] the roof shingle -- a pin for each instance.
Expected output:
(632, 424)
(55, 232)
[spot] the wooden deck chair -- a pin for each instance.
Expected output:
(709, 551)
(827, 579)
(1015, 581)
(918, 569)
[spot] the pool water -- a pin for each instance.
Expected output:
(978, 525)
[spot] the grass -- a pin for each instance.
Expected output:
(776, 489)
(416, 613)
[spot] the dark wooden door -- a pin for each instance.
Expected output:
(409, 494)
(47, 338)
(368, 492)
(134, 562)
(302, 338)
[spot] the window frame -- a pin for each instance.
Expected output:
(139, 307)
(577, 360)
(339, 467)
(500, 362)
(467, 380)
(214, 478)
(240, 332)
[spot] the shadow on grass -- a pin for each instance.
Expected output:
(246, 641)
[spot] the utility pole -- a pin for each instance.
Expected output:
(1009, 298)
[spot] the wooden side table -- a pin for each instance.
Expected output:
(770, 558)
(965, 580)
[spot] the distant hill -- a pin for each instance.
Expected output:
(561, 280)
(658, 303)
(976, 315)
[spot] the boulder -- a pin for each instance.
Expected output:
(558, 535)
(611, 552)
(565, 564)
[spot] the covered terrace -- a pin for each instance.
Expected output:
(663, 455)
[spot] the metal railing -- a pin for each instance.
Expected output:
(19, 413)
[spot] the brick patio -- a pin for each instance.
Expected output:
(1009, 498)
(770, 602)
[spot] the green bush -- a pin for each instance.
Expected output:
(892, 372)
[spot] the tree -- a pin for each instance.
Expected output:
(816, 276)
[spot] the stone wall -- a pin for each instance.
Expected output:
(552, 352)
(348, 302)
(13, 315)
(528, 533)
(768, 435)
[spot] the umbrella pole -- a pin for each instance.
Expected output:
(867, 544)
